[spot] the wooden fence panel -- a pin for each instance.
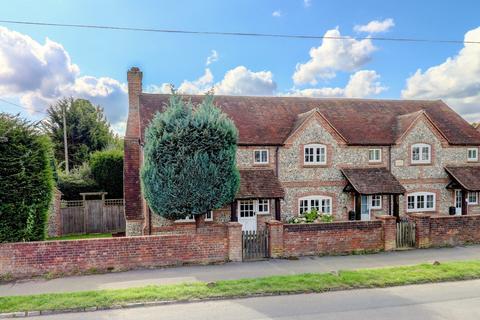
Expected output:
(72, 219)
(92, 216)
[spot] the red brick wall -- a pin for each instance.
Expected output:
(332, 238)
(454, 230)
(206, 245)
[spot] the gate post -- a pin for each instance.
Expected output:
(422, 229)
(275, 239)
(389, 232)
(234, 237)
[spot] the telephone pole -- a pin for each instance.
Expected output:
(65, 136)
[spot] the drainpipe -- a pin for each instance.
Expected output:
(276, 160)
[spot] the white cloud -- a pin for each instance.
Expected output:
(376, 26)
(346, 54)
(237, 81)
(363, 83)
(307, 3)
(457, 80)
(41, 73)
(213, 57)
(277, 13)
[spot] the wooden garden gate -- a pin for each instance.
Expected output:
(255, 244)
(405, 234)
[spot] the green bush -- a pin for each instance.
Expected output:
(107, 171)
(79, 180)
(190, 159)
(26, 180)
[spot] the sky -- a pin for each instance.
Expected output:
(40, 64)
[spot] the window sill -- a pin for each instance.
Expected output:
(263, 213)
(315, 166)
(421, 164)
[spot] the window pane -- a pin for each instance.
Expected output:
(430, 203)
(315, 204)
(326, 208)
(322, 154)
(426, 153)
(411, 202)
(303, 206)
(420, 202)
(257, 156)
(416, 153)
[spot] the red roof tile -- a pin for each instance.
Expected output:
(270, 120)
(259, 184)
(467, 177)
(373, 181)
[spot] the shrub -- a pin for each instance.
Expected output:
(190, 159)
(26, 184)
(311, 217)
(79, 180)
(107, 171)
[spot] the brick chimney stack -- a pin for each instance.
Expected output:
(134, 206)
(134, 78)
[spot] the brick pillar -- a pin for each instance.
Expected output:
(389, 232)
(134, 207)
(422, 229)
(275, 239)
(234, 233)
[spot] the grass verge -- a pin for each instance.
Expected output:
(82, 236)
(303, 283)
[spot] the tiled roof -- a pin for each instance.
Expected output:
(259, 184)
(270, 120)
(373, 181)
(468, 177)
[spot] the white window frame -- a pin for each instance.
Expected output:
(260, 151)
(321, 204)
(424, 201)
(472, 194)
(374, 151)
(474, 159)
(315, 155)
(190, 218)
(421, 159)
(265, 202)
(375, 197)
(244, 203)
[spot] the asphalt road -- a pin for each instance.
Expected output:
(454, 300)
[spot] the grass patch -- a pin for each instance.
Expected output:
(313, 282)
(81, 236)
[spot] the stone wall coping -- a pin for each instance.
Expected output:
(420, 215)
(385, 217)
(455, 217)
(274, 222)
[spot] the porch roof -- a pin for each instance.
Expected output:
(256, 184)
(373, 181)
(467, 177)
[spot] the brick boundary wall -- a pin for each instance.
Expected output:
(293, 240)
(210, 244)
(441, 231)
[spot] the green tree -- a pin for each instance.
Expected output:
(107, 171)
(190, 159)
(26, 180)
(87, 130)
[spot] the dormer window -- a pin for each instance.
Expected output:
(421, 153)
(315, 154)
(260, 156)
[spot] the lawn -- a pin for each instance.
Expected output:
(81, 236)
(291, 284)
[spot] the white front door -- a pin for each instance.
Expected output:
(458, 202)
(365, 208)
(247, 215)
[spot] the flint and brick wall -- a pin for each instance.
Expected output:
(288, 240)
(440, 231)
(210, 244)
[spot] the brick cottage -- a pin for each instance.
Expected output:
(370, 157)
